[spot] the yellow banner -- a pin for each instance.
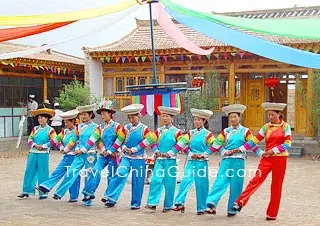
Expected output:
(64, 17)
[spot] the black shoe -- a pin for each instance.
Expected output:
(72, 200)
(88, 198)
(109, 204)
(135, 208)
(56, 197)
(236, 208)
(153, 208)
(104, 200)
(42, 190)
(271, 218)
(231, 214)
(43, 197)
(211, 209)
(200, 213)
(166, 210)
(21, 196)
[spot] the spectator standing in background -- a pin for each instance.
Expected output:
(32, 106)
(56, 121)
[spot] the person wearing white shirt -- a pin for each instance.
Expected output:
(32, 106)
(56, 121)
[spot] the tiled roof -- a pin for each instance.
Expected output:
(139, 39)
(313, 11)
(6, 47)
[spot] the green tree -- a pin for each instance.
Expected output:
(207, 96)
(75, 94)
(204, 98)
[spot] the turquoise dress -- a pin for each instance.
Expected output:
(197, 141)
(87, 159)
(231, 171)
(37, 169)
(66, 141)
(165, 169)
(138, 137)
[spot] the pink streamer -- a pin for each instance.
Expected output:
(173, 31)
(172, 100)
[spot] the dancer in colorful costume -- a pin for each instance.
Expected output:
(277, 135)
(138, 137)
(198, 144)
(231, 169)
(84, 158)
(40, 141)
(65, 142)
(165, 170)
(110, 135)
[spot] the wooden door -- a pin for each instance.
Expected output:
(255, 97)
(300, 126)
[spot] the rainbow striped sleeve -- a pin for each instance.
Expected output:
(287, 141)
(52, 136)
(209, 140)
(121, 136)
(182, 144)
(256, 149)
(250, 144)
(72, 142)
(219, 142)
(31, 137)
(58, 140)
(94, 138)
(149, 138)
(178, 135)
(154, 146)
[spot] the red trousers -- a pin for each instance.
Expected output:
(277, 165)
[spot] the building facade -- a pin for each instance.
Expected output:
(42, 74)
(243, 79)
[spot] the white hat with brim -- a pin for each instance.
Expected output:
(69, 114)
(273, 106)
(87, 108)
(56, 104)
(169, 110)
(132, 109)
(32, 96)
(234, 108)
(201, 113)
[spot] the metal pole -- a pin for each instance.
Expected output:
(154, 79)
(154, 66)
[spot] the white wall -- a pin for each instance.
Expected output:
(93, 75)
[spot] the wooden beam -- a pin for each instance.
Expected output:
(45, 87)
(162, 74)
(270, 70)
(310, 131)
(231, 84)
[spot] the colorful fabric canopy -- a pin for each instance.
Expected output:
(65, 17)
(114, 19)
(245, 41)
(173, 31)
(152, 102)
(20, 32)
(297, 28)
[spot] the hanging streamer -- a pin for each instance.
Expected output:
(248, 42)
(64, 17)
(110, 22)
(296, 28)
(20, 32)
(173, 31)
